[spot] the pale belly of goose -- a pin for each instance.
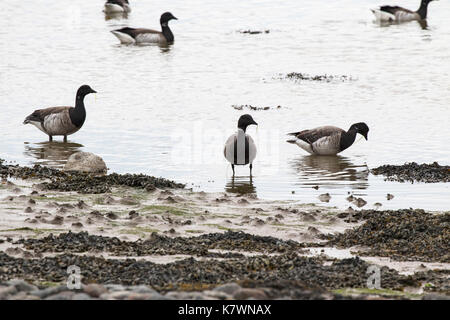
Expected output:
(327, 146)
(240, 149)
(58, 124)
(403, 16)
(150, 38)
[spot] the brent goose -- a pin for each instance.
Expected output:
(240, 149)
(328, 140)
(131, 35)
(399, 14)
(117, 6)
(61, 121)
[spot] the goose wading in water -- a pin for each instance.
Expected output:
(140, 35)
(399, 14)
(117, 6)
(328, 140)
(240, 149)
(61, 121)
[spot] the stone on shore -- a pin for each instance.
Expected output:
(86, 162)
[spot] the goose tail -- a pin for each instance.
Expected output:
(123, 37)
(381, 15)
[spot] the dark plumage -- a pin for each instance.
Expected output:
(61, 121)
(328, 140)
(141, 35)
(240, 149)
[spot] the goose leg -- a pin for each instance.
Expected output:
(251, 167)
(50, 138)
(65, 138)
(232, 167)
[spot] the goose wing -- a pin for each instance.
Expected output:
(40, 114)
(135, 32)
(400, 14)
(312, 135)
(394, 9)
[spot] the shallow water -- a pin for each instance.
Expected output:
(168, 111)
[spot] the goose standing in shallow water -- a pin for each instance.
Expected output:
(328, 140)
(399, 14)
(132, 35)
(117, 6)
(61, 121)
(240, 149)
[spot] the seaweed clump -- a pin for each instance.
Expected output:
(84, 182)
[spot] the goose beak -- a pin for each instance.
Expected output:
(93, 91)
(365, 136)
(173, 17)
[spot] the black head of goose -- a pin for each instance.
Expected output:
(240, 149)
(117, 6)
(399, 14)
(328, 140)
(61, 121)
(141, 35)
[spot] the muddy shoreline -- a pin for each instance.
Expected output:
(136, 236)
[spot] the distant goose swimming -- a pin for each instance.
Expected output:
(328, 140)
(132, 36)
(117, 6)
(61, 121)
(240, 149)
(399, 14)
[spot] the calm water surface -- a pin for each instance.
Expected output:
(168, 111)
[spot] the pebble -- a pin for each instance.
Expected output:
(248, 293)
(81, 296)
(64, 295)
(228, 288)
(94, 290)
(48, 291)
(21, 285)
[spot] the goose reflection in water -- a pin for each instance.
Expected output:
(51, 153)
(240, 185)
(116, 16)
(330, 171)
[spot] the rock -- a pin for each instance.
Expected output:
(117, 295)
(145, 296)
(142, 289)
(359, 202)
(64, 295)
(217, 295)
(23, 296)
(7, 291)
(228, 288)
(85, 162)
(389, 196)
(94, 290)
(81, 296)
(115, 287)
(112, 216)
(325, 197)
(177, 295)
(58, 220)
(21, 285)
(248, 293)
(434, 296)
(48, 291)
